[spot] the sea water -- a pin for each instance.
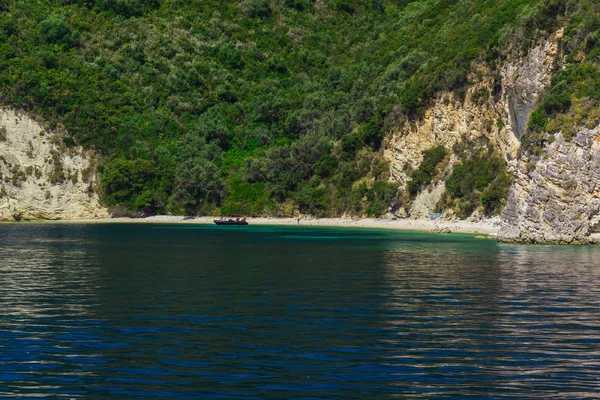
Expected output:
(191, 311)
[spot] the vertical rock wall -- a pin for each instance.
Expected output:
(556, 199)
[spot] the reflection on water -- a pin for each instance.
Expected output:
(130, 311)
(504, 321)
(46, 298)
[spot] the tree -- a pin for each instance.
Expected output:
(55, 29)
(257, 8)
(129, 183)
(198, 177)
(427, 169)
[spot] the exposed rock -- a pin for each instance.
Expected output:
(559, 200)
(494, 111)
(426, 201)
(40, 178)
(442, 229)
(401, 213)
(524, 80)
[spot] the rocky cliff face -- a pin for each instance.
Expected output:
(494, 110)
(556, 199)
(39, 177)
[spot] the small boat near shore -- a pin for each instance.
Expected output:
(233, 219)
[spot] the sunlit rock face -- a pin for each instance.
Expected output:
(556, 198)
(40, 178)
(494, 110)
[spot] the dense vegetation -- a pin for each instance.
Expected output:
(258, 106)
(573, 99)
(423, 175)
(479, 180)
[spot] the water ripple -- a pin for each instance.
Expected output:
(171, 312)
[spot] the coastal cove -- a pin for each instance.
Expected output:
(124, 310)
(485, 227)
(300, 199)
(492, 228)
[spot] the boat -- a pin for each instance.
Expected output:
(233, 219)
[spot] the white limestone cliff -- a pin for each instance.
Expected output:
(42, 179)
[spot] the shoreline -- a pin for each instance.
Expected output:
(489, 227)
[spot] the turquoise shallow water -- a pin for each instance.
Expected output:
(171, 311)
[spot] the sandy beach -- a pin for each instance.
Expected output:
(488, 227)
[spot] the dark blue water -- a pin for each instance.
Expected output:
(143, 311)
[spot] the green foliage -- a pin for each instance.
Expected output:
(480, 180)
(494, 195)
(345, 5)
(230, 55)
(198, 177)
(574, 94)
(325, 167)
(480, 96)
(423, 175)
(192, 104)
(315, 201)
(246, 198)
(380, 197)
(299, 5)
(257, 8)
(126, 8)
(578, 82)
(55, 29)
(128, 183)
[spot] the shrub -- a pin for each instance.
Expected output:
(57, 175)
(257, 8)
(345, 5)
(351, 144)
(198, 177)
(230, 55)
(494, 196)
(128, 8)
(300, 5)
(480, 96)
(423, 175)
(375, 209)
(245, 198)
(569, 104)
(326, 166)
(256, 78)
(314, 201)
(481, 180)
(127, 182)
(461, 181)
(55, 29)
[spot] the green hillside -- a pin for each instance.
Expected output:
(260, 106)
(573, 98)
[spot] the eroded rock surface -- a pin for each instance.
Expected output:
(556, 199)
(40, 178)
(524, 81)
(495, 111)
